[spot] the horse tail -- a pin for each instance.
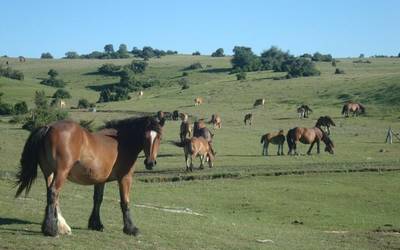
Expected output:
(362, 108)
(290, 138)
(29, 160)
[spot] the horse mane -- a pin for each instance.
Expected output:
(135, 125)
(326, 138)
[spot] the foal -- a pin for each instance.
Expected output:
(276, 138)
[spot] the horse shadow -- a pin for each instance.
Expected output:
(216, 70)
(14, 221)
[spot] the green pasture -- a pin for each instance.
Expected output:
(250, 205)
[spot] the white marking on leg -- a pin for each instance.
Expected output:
(63, 227)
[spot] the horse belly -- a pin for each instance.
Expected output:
(87, 174)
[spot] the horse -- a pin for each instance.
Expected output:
(200, 130)
(304, 111)
(216, 121)
(198, 101)
(175, 115)
(325, 121)
(21, 59)
(308, 136)
(277, 138)
(248, 118)
(185, 128)
(197, 146)
(355, 108)
(140, 94)
(64, 150)
(161, 117)
(259, 102)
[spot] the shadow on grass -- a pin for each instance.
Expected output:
(102, 87)
(13, 221)
(216, 70)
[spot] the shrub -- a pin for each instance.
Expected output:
(339, 71)
(71, 55)
(84, 104)
(297, 67)
(245, 60)
(11, 73)
(20, 108)
(105, 96)
(41, 117)
(194, 66)
(53, 82)
(46, 55)
(241, 76)
(40, 100)
(138, 66)
(62, 94)
(109, 69)
(218, 53)
(6, 109)
(185, 74)
(273, 59)
(196, 53)
(318, 57)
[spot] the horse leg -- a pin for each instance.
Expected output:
(202, 159)
(318, 142)
(329, 131)
(311, 146)
(53, 222)
(295, 148)
(94, 220)
(187, 160)
(124, 188)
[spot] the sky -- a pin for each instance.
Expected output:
(341, 28)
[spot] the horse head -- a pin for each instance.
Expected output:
(328, 143)
(151, 145)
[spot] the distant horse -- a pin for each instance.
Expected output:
(185, 128)
(259, 102)
(64, 150)
(198, 101)
(200, 130)
(59, 103)
(21, 59)
(248, 118)
(308, 136)
(355, 108)
(325, 121)
(277, 138)
(197, 146)
(216, 121)
(304, 111)
(175, 115)
(140, 94)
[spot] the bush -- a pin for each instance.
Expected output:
(62, 94)
(184, 83)
(196, 53)
(46, 55)
(185, 74)
(71, 55)
(40, 100)
(245, 60)
(11, 73)
(6, 109)
(20, 108)
(273, 58)
(297, 67)
(194, 66)
(84, 104)
(41, 117)
(105, 96)
(218, 53)
(318, 57)
(109, 69)
(241, 76)
(339, 71)
(138, 66)
(333, 63)
(87, 124)
(53, 82)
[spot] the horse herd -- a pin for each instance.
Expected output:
(64, 150)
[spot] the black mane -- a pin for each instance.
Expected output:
(135, 125)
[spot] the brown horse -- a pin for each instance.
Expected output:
(216, 121)
(308, 136)
(248, 118)
(355, 108)
(325, 121)
(277, 138)
(197, 146)
(200, 130)
(198, 101)
(64, 150)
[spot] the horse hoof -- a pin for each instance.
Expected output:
(96, 227)
(50, 228)
(131, 230)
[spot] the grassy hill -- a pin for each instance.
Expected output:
(316, 199)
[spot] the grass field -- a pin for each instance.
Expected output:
(333, 210)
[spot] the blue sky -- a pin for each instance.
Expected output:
(342, 28)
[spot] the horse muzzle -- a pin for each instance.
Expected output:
(149, 164)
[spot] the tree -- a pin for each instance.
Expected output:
(196, 53)
(218, 53)
(46, 55)
(52, 73)
(84, 104)
(273, 58)
(138, 66)
(20, 108)
(109, 69)
(297, 67)
(244, 59)
(123, 51)
(61, 94)
(109, 48)
(40, 100)
(71, 55)
(361, 55)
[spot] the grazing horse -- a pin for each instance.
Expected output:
(325, 121)
(175, 115)
(185, 128)
(64, 150)
(355, 108)
(197, 146)
(198, 101)
(248, 118)
(259, 102)
(308, 136)
(216, 121)
(304, 111)
(277, 138)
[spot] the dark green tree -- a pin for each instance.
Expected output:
(244, 59)
(46, 55)
(71, 55)
(218, 53)
(109, 48)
